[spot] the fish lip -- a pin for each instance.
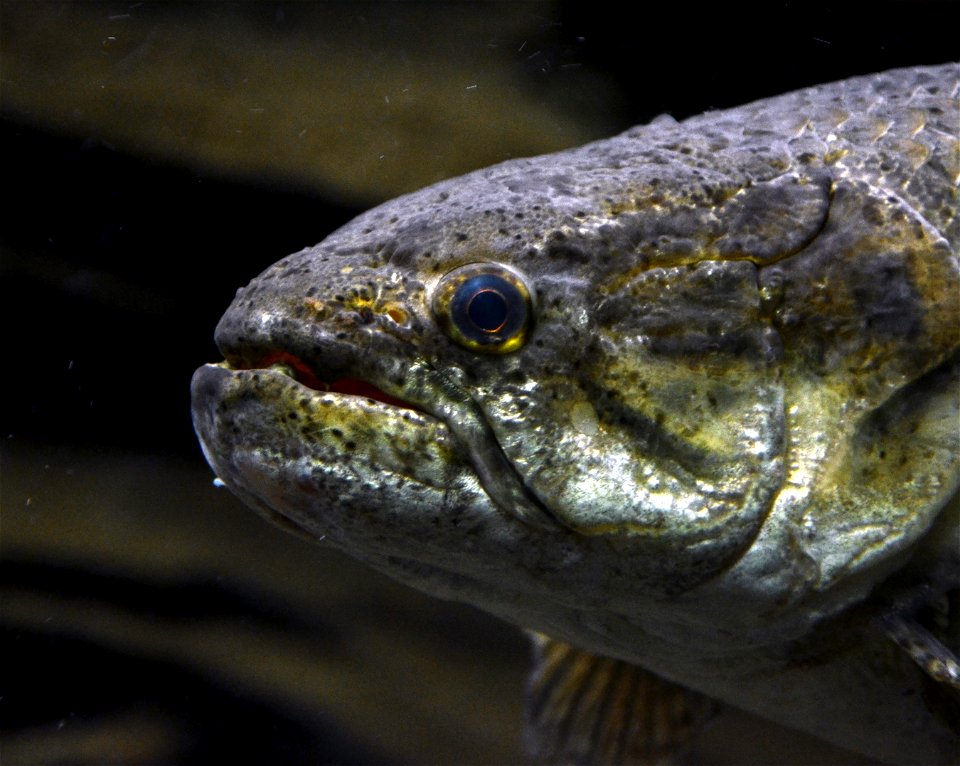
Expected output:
(309, 377)
(317, 361)
(429, 393)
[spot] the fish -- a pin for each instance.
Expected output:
(683, 403)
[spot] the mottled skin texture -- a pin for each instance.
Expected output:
(723, 447)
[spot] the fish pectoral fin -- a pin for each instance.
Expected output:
(585, 709)
(932, 656)
(939, 663)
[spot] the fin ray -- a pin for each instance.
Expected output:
(584, 709)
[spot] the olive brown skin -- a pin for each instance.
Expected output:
(686, 397)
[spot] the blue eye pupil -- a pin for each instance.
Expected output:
(484, 307)
(487, 310)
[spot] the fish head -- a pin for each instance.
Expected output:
(553, 388)
(481, 389)
(686, 397)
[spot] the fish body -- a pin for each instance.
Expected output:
(685, 398)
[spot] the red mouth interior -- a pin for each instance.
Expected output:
(351, 386)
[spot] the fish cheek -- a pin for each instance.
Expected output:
(660, 427)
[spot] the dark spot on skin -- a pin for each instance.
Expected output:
(872, 214)
(350, 446)
(461, 237)
(337, 432)
(560, 250)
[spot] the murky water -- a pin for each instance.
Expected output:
(157, 156)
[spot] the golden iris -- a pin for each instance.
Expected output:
(484, 307)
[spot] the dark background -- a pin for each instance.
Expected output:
(119, 252)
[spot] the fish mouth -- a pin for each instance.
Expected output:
(249, 404)
(288, 364)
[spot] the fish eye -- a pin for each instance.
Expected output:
(484, 307)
